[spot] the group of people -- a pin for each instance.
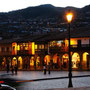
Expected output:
(45, 69)
(13, 68)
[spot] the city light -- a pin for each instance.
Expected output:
(69, 17)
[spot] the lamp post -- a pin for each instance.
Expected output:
(69, 19)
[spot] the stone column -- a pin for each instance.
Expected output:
(80, 65)
(23, 62)
(61, 62)
(34, 62)
(11, 60)
(29, 62)
(88, 61)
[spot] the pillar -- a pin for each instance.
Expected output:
(80, 66)
(88, 61)
(61, 62)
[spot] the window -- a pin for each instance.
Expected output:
(42, 46)
(3, 49)
(7, 49)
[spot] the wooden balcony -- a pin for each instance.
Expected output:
(5, 53)
(80, 47)
(23, 52)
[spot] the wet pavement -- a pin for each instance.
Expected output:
(47, 84)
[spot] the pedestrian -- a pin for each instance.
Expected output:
(44, 68)
(49, 68)
(15, 69)
(12, 69)
(7, 67)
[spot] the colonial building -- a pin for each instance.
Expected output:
(32, 52)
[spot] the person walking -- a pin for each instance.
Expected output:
(12, 69)
(15, 69)
(7, 67)
(44, 68)
(49, 68)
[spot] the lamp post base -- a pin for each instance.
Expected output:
(70, 80)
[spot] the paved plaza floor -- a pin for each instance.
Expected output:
(48, 84)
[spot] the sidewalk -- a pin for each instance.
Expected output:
(52, 84)
(81, 88)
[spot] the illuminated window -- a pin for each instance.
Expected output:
(27, 44)
(18, 47)
(23, 44)
(35, 46)
(42, 46)
(26, 48)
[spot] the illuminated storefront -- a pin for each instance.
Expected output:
(32, 56)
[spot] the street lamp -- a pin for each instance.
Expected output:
(69, 17)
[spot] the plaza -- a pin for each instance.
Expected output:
(47, 84)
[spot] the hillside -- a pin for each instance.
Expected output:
(41, 19)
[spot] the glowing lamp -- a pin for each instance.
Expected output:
(69, 17)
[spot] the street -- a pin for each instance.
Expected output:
(47, 84)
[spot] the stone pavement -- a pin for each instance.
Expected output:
(82, 88)
(58, 84)
(79, 88)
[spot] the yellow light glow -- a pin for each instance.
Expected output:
(47, 59)
(20, 62)
(85, 56)
(14, 48)
(32, 61)
(14, 61)
(66, 43)
(73, 42)
(55, 57)
(33, 48)
(18, 47)
(69, 17)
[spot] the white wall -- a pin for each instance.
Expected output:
(74, 41)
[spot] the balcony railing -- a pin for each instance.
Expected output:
(81, 46)
(25, 52)
(5, 53)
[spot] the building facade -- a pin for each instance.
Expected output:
(32, 55)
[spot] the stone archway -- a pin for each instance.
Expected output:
(26, 62)
(2, 63)
(65, 61)
(85, 60)
(14, 61)
(75, 60)
(38, 62)
(19, 62)
(47, 59)
(32, 62)
(56, 61)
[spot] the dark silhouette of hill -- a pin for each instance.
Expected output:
(38, 11)
(16, 22)
(32, 12)
(86, 8)
(46, 10)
